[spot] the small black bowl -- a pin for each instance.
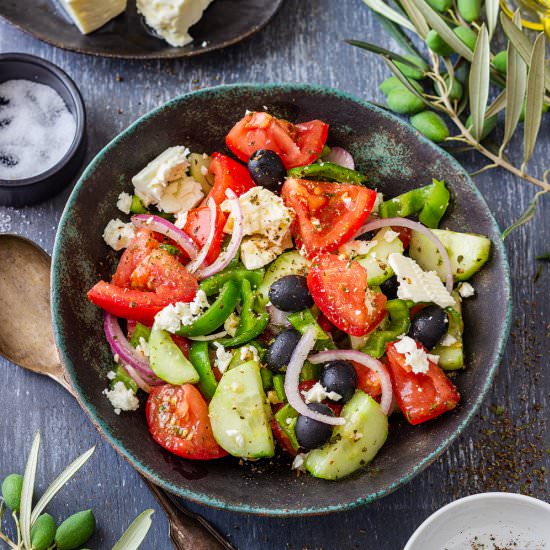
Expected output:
(37, 188)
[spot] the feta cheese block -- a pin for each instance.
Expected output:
(171, 19)
(89, 15)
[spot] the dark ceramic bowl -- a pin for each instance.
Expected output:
(396, 158)
(224, 23)
(37, 188)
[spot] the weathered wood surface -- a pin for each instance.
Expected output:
(303, 44)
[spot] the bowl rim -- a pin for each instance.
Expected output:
(198, 497)
(79, 115)
(465, 501)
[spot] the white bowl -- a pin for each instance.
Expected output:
(486, 521)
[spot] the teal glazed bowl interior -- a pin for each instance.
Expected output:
(396, 158)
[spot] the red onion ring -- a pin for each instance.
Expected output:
(137, 379)
(168, 229)
(415, 226)
(127, 354)
(365, 360)
(338, 155)
(292, 379)
(193, 265)
(277, 317)
(225, 257)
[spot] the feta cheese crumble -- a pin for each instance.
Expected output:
(223, 358)
(143, 347)
(231, 324)
(124, 202)
(122, 398)
(318, 393)
(390, 235)
(299, 462)
(119, 235)
(266, 224)
(418, 285)
(415, 357)
(352, 249)
(249, 353)
(173, 316)
(448, 340)
(466, 290)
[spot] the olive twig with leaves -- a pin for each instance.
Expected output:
(37, 530)
(457, 74)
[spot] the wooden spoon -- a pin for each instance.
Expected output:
(26, 339)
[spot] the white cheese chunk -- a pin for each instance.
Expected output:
(173, 316)
(124, 202)
(448, 340)
(318, 393)
(143, 347)
(415, 357)
(122, 398)
(231, 324)
(119, 235)
(223, 358)
(299, 462)
(89, 15)
(418, 285)
(171, 19)
(466, 290)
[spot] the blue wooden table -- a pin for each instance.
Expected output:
(503, 449)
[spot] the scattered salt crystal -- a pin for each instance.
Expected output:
(36, 129)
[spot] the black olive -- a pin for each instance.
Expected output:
(267, 169)
(279, 352)
(429, 325)
(368, 236)
(312, 433)
(389, 287)
(290, 293)
(339, 377)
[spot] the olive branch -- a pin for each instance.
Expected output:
(458, 74)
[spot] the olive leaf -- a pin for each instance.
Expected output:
(397, 33)
(534, 98)
(416, 18)
(497, 105)
(59, 482)
(383, 9)
(28, 490)
(438, 24)
(543, 257)
(522, 44)
(491, 11)
(479, 81)
(527, 215)
(382, 51)
(515, 89)
(136, 532)
(405, 81)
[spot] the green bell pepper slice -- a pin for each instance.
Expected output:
(267, 378)
(399, 324)
(301, 320)
(121, 375)
(329, 171)
(214, 317)
(286, 417)
(198, 355)
(430, 202)
(279, 387)
(235, 271)
(251, 325)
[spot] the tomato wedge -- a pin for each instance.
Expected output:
(327, 214)
(296, 144)
(420, 397)
(197, 227)
(178, 421)
(228, 174)
(339, 288)
(367, 380)
(282, 439)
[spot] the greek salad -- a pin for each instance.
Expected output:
(276, 301)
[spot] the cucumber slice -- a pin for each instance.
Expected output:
(289, 263)
(198, 164)
(376, 261)
(353, 444)
(167, 360)
(240, 414)
(452, 357)
(468, 252)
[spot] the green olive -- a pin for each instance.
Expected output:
(488, 125)
(431, 125)
(456, 91)
(393, 82)
(404, 102)
(544, 109)
(437, 44)
(440, 5)
(43, 532)
(500, 61)
(11, 491)
(75, 530)
(470, 10)
(411, 72)
(468, 36)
